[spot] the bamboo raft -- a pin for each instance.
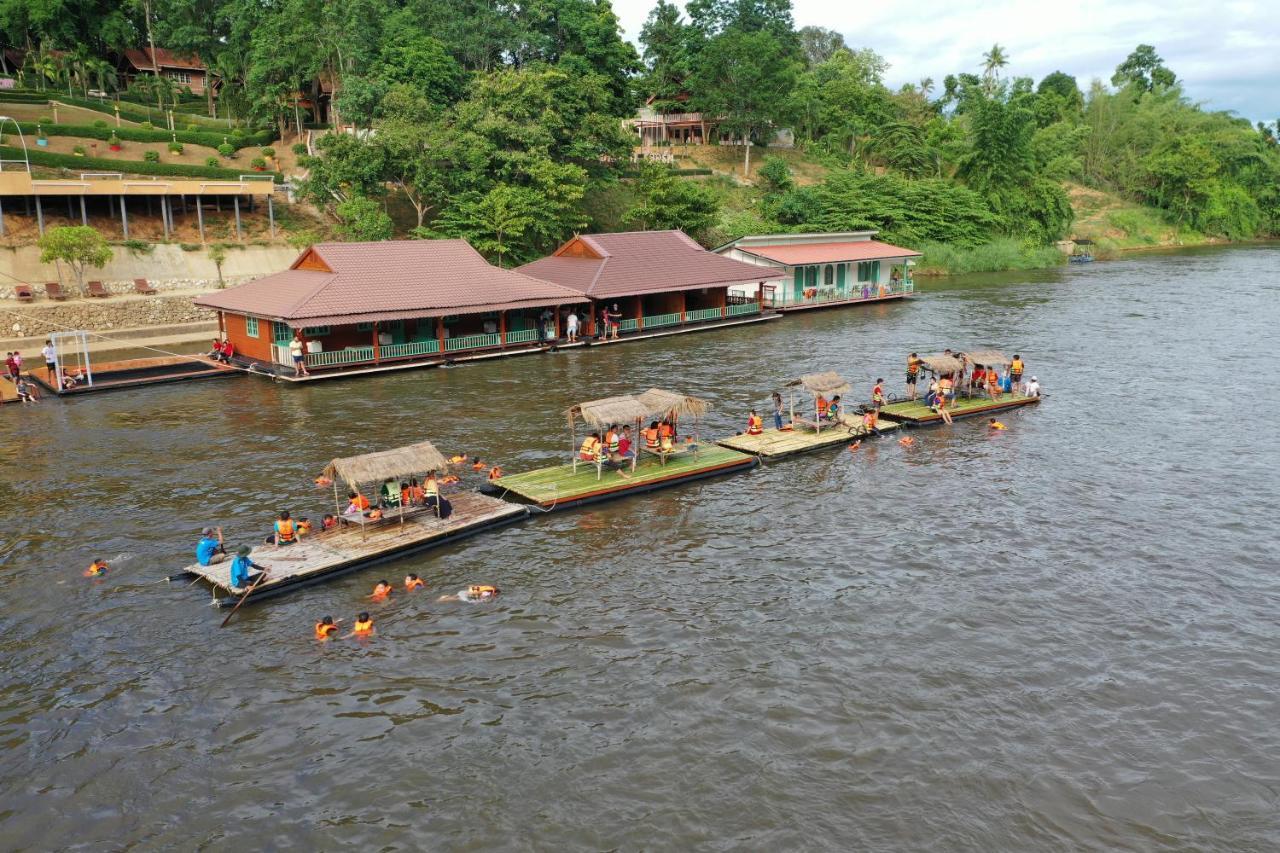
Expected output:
(775, 444)
(560, 488)
(321, 556)
(916, 413)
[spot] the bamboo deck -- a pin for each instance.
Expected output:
(916, 413)
(775, 444)
(324, 555)
(560, 488)
(135, 372)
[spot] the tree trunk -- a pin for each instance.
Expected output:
(746, 168)
(208, 93)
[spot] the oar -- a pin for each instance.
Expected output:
(247, 593)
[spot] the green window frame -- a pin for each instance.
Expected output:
(811, 276)
(315, 331)
(251, 326)
(281, 333)
(828, 275)
(841, 274)
(364, 327)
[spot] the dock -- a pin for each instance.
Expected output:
(136, 372)
(323, 556)
(916, 413)
(776, 444)
(560, 488)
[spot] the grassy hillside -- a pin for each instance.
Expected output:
(1117, 225)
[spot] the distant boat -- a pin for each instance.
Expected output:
(1082, 253)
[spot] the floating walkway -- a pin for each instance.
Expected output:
(561, 488)
(776, 444)
(916, 413)
(321, 556)
(132, 373)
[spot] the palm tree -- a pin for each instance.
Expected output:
(926, 86)
(994, 60)
(102, 73)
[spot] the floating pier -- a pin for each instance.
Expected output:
(321, 556)
(775, 444)
(560, 488)
(916, 413)
(132, 373)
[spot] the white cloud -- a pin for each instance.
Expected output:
(1224, 52)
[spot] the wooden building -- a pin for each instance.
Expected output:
(659, 280)
(396, 303)
(184, 71)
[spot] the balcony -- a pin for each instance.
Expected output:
(824, 295)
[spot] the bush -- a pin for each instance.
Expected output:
(79, 149)
(258, 163)
(151, 156)
(46, 119)
(99, 124)
(238, 131)
(211, 162)
(227, 150)
(146, 125)
(175, 147)
(268, 151)
(192, 127)
(1005, 253)
(136, 167)
(190, 247)
(113, 140)
(137, 134)
(299, 149)
(139, 247)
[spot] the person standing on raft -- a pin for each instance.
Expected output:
(914, 362)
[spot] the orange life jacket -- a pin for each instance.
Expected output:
(304, 527)
(381, 591)
(495, 472)
(477, 591)
(375, 515)
(285, 530)
(755, 425)
(416, 493)
(666, 430)
(651, 436)
(323, 631)
(95, 570)
(363, 627)
(477, 465)
(822, 405)
(360, 502)
(410, 584)
(405, 496)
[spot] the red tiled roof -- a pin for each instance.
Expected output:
(141, 59)
(393, 280)
(828, 253)
(639, 262)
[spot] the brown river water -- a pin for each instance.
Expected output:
(1060, 637)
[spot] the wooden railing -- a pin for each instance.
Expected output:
(703, 314)
(331, 358)
(411, 348)
(521, 336)
(742, 308)
(628, 325)
(471, 342)
(658, 320)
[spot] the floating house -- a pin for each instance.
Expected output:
(825, 270)
(661, 281)
(364, 307)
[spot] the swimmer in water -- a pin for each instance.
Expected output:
(326, 628)
(363, 626)
(96, 569)
(995, 424)
(906, 441)
(473, 594)
(381, 591)
(412, 582)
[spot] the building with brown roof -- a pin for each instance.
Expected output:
(824, 270)
(398, 302)
(657, 279)
(182, 70)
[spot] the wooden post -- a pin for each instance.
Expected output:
(591, 319)
(684, 307)
(760, 297)
(440, 333)
(556, 324)
(502, 328)
(200, 216)
(377, 350)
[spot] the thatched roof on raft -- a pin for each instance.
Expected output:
(661, 401)
(941, 364)
(611, 410)
(829, 382)
(392, 464)
(988, 358)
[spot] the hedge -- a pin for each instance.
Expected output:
(128, 167)
(142, 134)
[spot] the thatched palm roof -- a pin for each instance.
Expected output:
(661, 401)
(829, 382)
(611, 410)
(941, 364)
(386, 464)
(988, 358)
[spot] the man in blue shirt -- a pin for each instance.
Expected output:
(209, 549)
(241, 569)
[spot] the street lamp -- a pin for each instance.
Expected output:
(25, 157)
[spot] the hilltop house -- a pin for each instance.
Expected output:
(184, 71)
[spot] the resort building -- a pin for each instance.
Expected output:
(184, 71)
(388, 305)
(660, 281)
(822, 270)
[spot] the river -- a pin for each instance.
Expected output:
(1059, 637)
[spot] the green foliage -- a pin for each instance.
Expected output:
(258, 163)
(774, 175)
(133, 134)
(175, 147)
(151, 156)
(226, 150)
(745, 77)
(100, 124)
(1006, 253)
(211, 162)
(78, 149)
(299, 149)
(664, 201)
(134, 167)
(268, 151)
(363, 219)
(1144, 70)
(78, 246)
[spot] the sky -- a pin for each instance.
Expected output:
(1226, 52)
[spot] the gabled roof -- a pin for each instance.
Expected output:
(141, 59)
(341, 283)
(630, 263)
(824, 253)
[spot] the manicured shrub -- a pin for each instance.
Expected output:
(211, 162)
(227, 150)
(175, 147)
(151, 156)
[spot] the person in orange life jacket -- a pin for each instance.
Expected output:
(651, 435)
(363, 626)
(755, 425)
(358, 504)
(381, 591)
(591, 448)
(284, 532)
(412, 582)
(416, 495)
(822, 405)
(326, 628)
(432, 498)
(995, 424)
(97, 568)
(329, 522)
(877, 395)
(472, 594)
(871, 422)
(833, 408)
(304, 527)
(495, 473)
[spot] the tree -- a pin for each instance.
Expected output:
(1143, 69)
(427, 158)
(359, 99)
(665, 201)
(424, 64)
(489, 222)
(347, 167)
(363, 220)
(992, 61)
(819, 44)
(665, 37)
(746, 78)
(716, 17)
(78, 245)
(218, 254)
(774, 175)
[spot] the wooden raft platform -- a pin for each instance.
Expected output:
(325, 555)
(561, 488)
(775, 444)
(916, 413)
(135, 372)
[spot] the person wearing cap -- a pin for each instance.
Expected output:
(209, 549)
(242, 574)
(1032, 388)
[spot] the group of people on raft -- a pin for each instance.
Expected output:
(327, 628)
(972, 380)
(829, 411)
(616, 447)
